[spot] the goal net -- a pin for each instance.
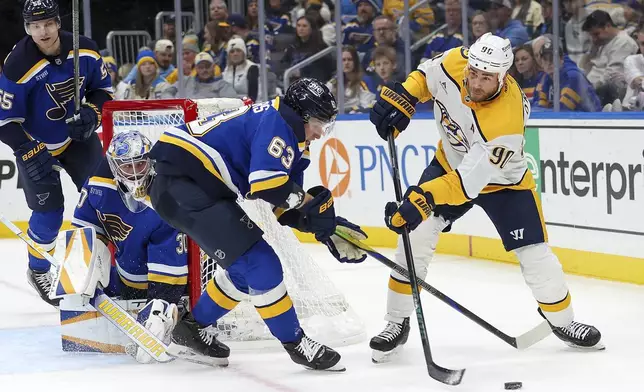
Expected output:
(323, 311)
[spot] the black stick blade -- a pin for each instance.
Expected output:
(446, 376)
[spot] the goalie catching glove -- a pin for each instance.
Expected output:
(342, 250)
(393, 110)
(415, 208)
(160, 318)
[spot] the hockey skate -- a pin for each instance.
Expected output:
(189, 338)
(42, 281)
(390, 341)
(313, 355)
(578, 335)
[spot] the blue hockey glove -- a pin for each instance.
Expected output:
(38, 163)
(416, 207)
(318, 215)
(342, 250)
(82, 127)
(393, 110)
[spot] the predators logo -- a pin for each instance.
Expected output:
(454, 133)
(114, 226)
(61, 93)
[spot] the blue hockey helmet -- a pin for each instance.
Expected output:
(312, 99)
(37, 10)
(129, 161)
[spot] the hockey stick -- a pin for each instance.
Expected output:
(119, 317)
(520, 342)
(76, 49)
(446, 376)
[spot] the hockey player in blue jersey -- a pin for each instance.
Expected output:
(36, 100)
(151, 258)
(259, 151)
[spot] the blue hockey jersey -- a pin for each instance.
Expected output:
(251, 149)
(358, 35)
(577, 93)
(149, 253)
(38, 90)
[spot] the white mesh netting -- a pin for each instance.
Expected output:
(323, 311)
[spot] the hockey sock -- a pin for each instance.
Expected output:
(43, 229)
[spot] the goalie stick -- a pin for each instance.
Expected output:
(119, 317)
(520, 342)
(438, 373)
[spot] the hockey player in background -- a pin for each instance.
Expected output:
(151, 256)
(260, 151)
(481, 114)
(36, 100)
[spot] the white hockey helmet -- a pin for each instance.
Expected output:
(131, 166)
(493, 54)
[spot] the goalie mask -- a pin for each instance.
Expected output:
(128, 158)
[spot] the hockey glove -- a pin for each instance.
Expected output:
(38, 163)
(416, 207)
(393, 110)
(343, 250)
(80, 128)
(318, 215)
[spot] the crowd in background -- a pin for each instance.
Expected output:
(601, 53)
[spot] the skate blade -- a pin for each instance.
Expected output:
(597, 347)
(188, 354)
(338, 367)
(385, 356)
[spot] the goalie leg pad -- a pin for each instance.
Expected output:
(220, 226)
(544, 275)
(423, 243)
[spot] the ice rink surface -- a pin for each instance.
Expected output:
(31, 357)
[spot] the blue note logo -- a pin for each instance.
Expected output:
(61, 93)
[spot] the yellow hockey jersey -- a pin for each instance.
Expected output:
(481, 146)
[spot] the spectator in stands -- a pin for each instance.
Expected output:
(239, 27)
(546, 26)
(634, 75)
(357, 97)
(385, 64)
(527, 72)
(577, 41)
(279, 17)
(322, 20)
(163, 53)
(112, 69)
(480, 25)
(216, 35)
(252, 15)
(384, 33)
(207, 84)
(537, 43)
(168, 29)
(241, 73)
(448, 37)
(359, 31)
(509, 28)
(148, 83)
(218, 11)
(576, 92)
(306, 5)
(422, 18)
(308, 41)
(604, 65)
(529, 13)
(189, 53)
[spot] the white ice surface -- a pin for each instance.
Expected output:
(31, 357)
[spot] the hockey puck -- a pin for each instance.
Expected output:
(513, 385)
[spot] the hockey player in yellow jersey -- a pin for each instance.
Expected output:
(481, 114)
